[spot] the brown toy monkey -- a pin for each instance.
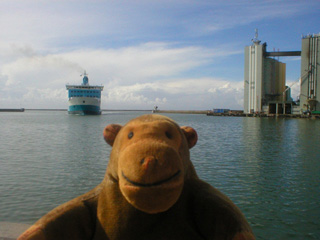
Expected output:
(150, 191)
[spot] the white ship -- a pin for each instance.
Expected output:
(84, 99)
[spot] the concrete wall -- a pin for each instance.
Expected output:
(253, 78)
(11, 231)
(310, 72)
(246, 80)
(274, 77)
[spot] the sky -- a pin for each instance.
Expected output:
(177, 55)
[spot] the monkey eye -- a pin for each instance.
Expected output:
(169, 135)
(130, 135)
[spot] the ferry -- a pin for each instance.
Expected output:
(84, 99)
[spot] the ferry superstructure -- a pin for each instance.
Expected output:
(84, 99)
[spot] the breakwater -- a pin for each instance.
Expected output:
(239, 113)
(181, 111)
(11, 109)
(229, 113)
(264, 115)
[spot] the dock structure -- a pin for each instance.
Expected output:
(265, 89)
(310, 84)
(283, 54)
(181, 111)
(11, 109)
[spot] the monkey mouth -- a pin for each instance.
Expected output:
(151, 184)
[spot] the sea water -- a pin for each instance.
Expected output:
(269, 167)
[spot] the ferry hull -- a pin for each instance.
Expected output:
(84, 106)
(84, 110)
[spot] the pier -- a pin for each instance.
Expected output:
(181, 111)
(239, 113)
(11, 109)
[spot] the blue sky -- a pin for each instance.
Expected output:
(183, 54)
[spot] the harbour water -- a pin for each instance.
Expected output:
(269, 167)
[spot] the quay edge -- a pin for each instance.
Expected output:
(181, 111)
(11, 109)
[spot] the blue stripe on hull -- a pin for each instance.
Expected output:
(84, 110)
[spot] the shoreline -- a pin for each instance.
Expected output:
(181, 111)
(264, 115)
(232, 113)
(12, 109)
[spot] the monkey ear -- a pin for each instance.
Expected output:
(110, 132)
(191, 135)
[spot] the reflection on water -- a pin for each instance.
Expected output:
(269, 167)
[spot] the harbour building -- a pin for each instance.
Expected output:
(265, 89)
(310, 72)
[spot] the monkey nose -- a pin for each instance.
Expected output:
(148, 162)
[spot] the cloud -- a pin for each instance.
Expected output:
(221, 15)
(71, 24)
(145, 61)
(294, 88)
(173, 54)
(134, 77)
(135, 64)
(182, 94)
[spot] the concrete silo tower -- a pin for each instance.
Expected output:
(310, 73)
(265, 88)
(253, 76)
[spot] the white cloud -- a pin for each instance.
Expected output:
(143, 52)
(221, 15)
(60, 24)
(295, 88)
(134, 77)
(183, 94)
(141, 62)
